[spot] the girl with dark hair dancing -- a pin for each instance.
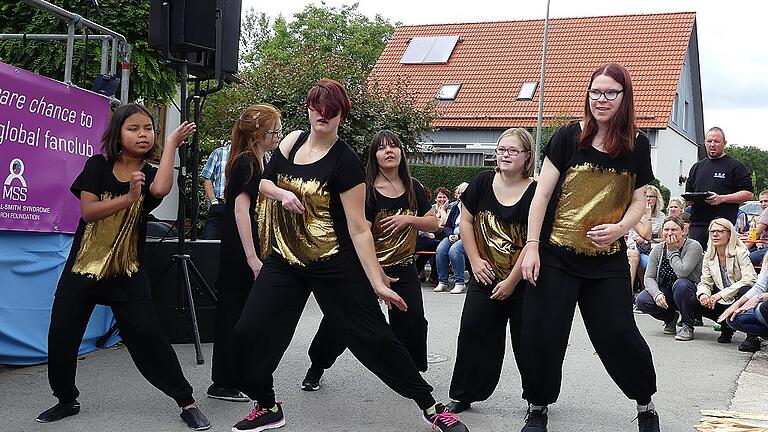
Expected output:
(117, 190)
(396, 207)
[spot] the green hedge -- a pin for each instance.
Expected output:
(448, 177)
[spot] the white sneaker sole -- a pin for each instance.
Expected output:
(276, 425)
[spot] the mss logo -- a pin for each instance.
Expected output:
(15, 187)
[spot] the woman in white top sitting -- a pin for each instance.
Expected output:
(726, 274)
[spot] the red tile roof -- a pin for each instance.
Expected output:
(493, 59)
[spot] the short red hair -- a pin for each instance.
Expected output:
(329, 98)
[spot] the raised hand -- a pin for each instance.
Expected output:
(137, 181)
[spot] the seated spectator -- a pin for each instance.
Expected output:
(645, 234)
(674, 269)
(452, 249)
(750, 313)
(428, 241)
(726, 274)
(757, 249)
(676, 206)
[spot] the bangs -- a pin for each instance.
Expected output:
(329, 98)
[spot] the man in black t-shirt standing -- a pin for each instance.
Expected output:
(728, 179)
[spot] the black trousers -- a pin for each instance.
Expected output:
(140, 331)
(700, 233)
(606, 307)
(409, 327)
(274, 307)
(225, 367)
(482, 341)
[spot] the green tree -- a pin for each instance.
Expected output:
(150, 79)
(282, 61)
(756, 161)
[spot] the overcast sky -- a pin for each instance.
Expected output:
(732, 43)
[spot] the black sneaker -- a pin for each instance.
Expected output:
(312, 380)
(750, 344)
(726, 335)
(216, 391)
(648, 421)
(195, 419)
(260, 420)
(535, 421)
(458, 406)
(669, 327)
(444, 420)
(59, 411)
(698, 322)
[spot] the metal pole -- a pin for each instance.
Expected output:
(113, 64)
(104, 56)
(70, 52)
(125, 74)
(541, 92)
(47, 36)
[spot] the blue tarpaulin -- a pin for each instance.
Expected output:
(30, 266)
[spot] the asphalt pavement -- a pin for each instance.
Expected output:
(692, 376)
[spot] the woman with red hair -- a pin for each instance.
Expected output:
(590, 193)
(314, 238)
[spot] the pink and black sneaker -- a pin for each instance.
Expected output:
(261, 419)
(444, 420)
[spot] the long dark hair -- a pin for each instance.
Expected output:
(620, 138)
(111, 145)
(247, 132)
(372, 169)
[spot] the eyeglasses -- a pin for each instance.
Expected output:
(718, 232)
(612, 94)
(510, 151)
(651, 196)
(278, 132)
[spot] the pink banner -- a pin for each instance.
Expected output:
(47, 131)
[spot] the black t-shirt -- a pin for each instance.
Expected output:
(396, 248)
(315, 239)
(500, 231)
(109, 251)
(724, 175)
(244, 177)
(593, 189)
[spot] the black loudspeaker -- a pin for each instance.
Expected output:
(168, 294)
(191, 33)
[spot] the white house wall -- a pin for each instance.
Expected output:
(672, 155)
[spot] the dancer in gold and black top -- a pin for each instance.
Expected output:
(493, 229)
(117, 190)
(314, 230)
(257, 131)
(397, 207)
(589, 194)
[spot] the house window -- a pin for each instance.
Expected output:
(675, 109)
(448, 92)
(429, 50)
(686, 114)
(527, 89)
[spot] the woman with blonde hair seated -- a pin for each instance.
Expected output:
(645, 234)
(727, 274)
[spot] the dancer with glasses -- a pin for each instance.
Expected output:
(254, 134)
(315, 239)
(493, 227)
(590, 192)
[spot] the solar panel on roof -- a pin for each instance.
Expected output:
(441, 49)
(429, 50)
